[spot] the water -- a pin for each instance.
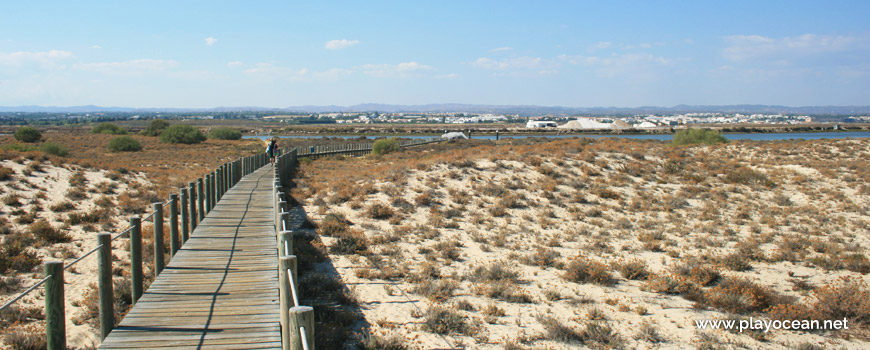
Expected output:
(660, 137)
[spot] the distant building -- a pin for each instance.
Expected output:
(586, 124)
(533, 124)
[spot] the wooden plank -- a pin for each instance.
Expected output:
(220, 290)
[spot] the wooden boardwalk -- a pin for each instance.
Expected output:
(220, 291)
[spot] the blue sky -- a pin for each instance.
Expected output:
(568, 53)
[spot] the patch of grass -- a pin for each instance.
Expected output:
(225, 133)
(124, 144)
(27, 134)
(698, 136)
(108, 128)
(384, 146)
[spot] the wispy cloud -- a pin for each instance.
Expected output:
(272, 70)
(331, 74)
(524, 62)
(135, 67)
(340, 44)
(210, 41)
(96, 47)
(502, 49)
(46, 59)
(449, 76)
(403, 69)
(235, 64)
(746, 47)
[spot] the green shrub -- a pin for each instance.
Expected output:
(27, 134)
(384, 146)
(225, 134)
(696, 136)
(54, 149)
(108, 128)
(155, 127)
(182, 133)
(124, 144)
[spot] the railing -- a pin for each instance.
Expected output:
(297, 321)
(355, 149)
(196, 200)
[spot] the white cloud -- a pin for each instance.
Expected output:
(403, 69)
(128, 68)
(524, 62)
(331, 74)
(210, 41)
(746, 47)
(502, 49)
(603, 45)
(46, 59)
(450, 76)
(96, 47)
(235, 64)
(340, 44)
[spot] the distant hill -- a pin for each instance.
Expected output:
(472, 108)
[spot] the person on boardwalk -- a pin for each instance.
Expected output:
(272, 150)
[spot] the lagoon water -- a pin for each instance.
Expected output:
(660, 137)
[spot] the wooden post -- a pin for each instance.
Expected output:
(106, 288)
(285, 300)
(173, 224)
(301, 316)
(136, 258)
(55, 315)
(157, 220)
(207, 188)
(185, 216)
(285, 219)
(200, 200)
(285, 243)
(214, 189)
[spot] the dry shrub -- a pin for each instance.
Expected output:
(741, 295)
(673, 284)
(350, 241)
(503, 290)
(27, 337)
(584, 270)
(15, 253)
(495, 271)
(698, 272)
(371, 341)
(379, 211)
(47, 234)
(750, 177)
(856, 262)
(62, 207)
(634, 269)
(596, 335)
(6, 173)
(442, 320)
(436, 290)
(12, 200)
(542, 257)
(847, 298)
(333, 225)
(90, 303)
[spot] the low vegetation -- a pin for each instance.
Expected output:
(124, 144)
(27, 134)
(698, 136)
(225, 134)
(609, 240)
(182, 133)
(108, 128)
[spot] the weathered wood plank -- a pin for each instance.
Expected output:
(220, 290)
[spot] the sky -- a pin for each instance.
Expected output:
(203, 54)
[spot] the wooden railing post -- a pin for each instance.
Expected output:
(301, 316)
(173, 225)
(200, 200)
(207, 203)
(285, 243)
(106, 288)
(157, 220)
(55, 315)
(214, 189)
(136, 258)
(185, 217)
